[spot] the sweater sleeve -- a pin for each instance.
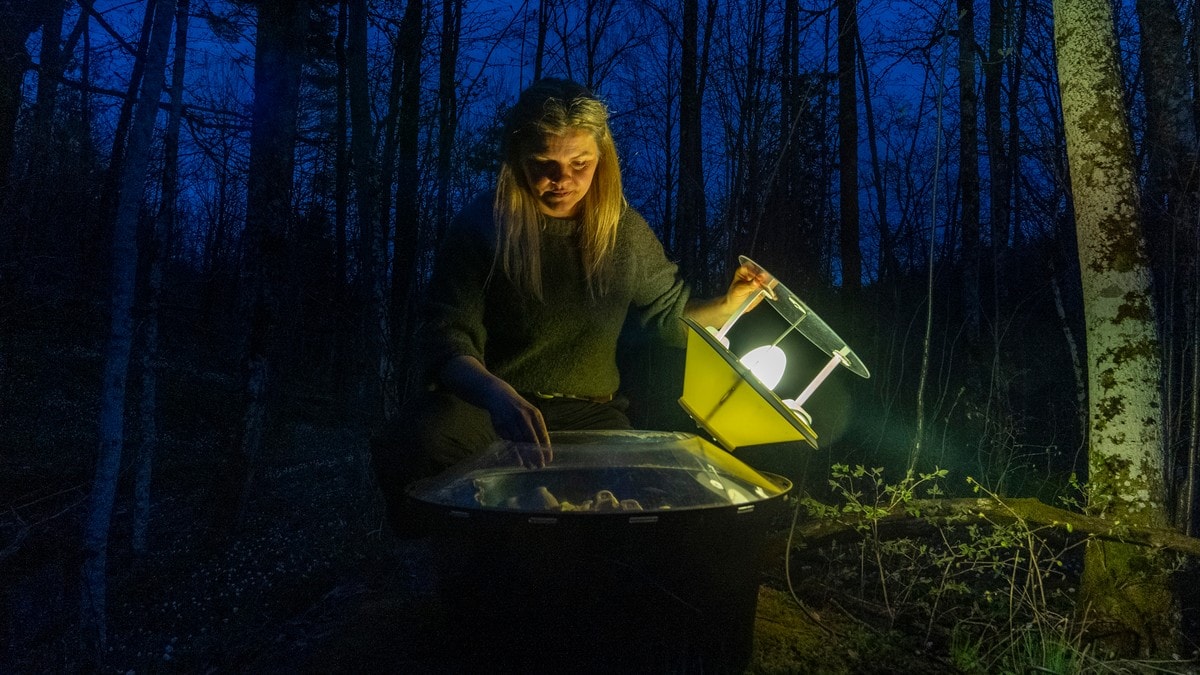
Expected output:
(659, 294)
(453, 311)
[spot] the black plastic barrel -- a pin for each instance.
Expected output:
(663, 589)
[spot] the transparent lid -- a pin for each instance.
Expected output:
(805, 321)
(603, 471)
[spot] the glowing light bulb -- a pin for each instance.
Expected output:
(767, 364)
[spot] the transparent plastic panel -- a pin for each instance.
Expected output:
(806, 322)
(602, 471)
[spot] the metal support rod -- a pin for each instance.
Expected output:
(791, 327)
(812, 386)
(737, 314)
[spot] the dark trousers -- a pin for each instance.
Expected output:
(437, 430)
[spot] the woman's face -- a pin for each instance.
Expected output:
(560, 172)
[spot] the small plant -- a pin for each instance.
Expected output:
(866, 501)
(1027, 650)
(993, 588)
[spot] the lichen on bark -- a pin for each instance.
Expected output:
(1126, 589)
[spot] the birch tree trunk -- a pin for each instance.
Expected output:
(164, 224)
(121, 133)
(1125, 589)
(93, 611)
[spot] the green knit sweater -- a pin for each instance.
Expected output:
(565, 343)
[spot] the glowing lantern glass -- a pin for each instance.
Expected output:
(733, 398)
(767, 363)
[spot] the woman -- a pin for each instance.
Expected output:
(529, 294)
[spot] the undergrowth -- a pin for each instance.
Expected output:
(995, 594)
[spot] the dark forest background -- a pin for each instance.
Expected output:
(217, 221)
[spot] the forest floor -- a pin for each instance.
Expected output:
(313, 584)
(311, 581)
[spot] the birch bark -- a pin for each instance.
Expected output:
(93, 610)
(1125, 588)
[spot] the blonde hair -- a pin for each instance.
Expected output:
(554, 107)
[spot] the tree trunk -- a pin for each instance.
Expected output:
(968, 165)
(750, 178)
(1170, 206)
(14, 59)
(889, 266)
(1018, 10)
(164, 225)
(18, 20)
(344, 378)
(341, 187)
(1196, 58)
(50, 70)
(1125, 588)
(120, 340)
(1077, 366)
(691, 206)
(543, 25)
(1193, 447)
(851, 254)
(999, 172)
(599, 21)
(447, 108)
(1194, 305)
(670, 224)
(372, 244)
(278, 58)
(87, 151)
(117, 155)
(407, 241)
(993, 114)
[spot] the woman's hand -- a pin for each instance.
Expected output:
(747, 281)
(516, 419)
(513, 418)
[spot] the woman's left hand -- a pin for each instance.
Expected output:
(748, 279)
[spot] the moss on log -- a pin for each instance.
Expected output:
(1028, 510)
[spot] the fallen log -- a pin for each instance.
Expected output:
(1028, 510)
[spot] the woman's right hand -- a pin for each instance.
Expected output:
(514, 418)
